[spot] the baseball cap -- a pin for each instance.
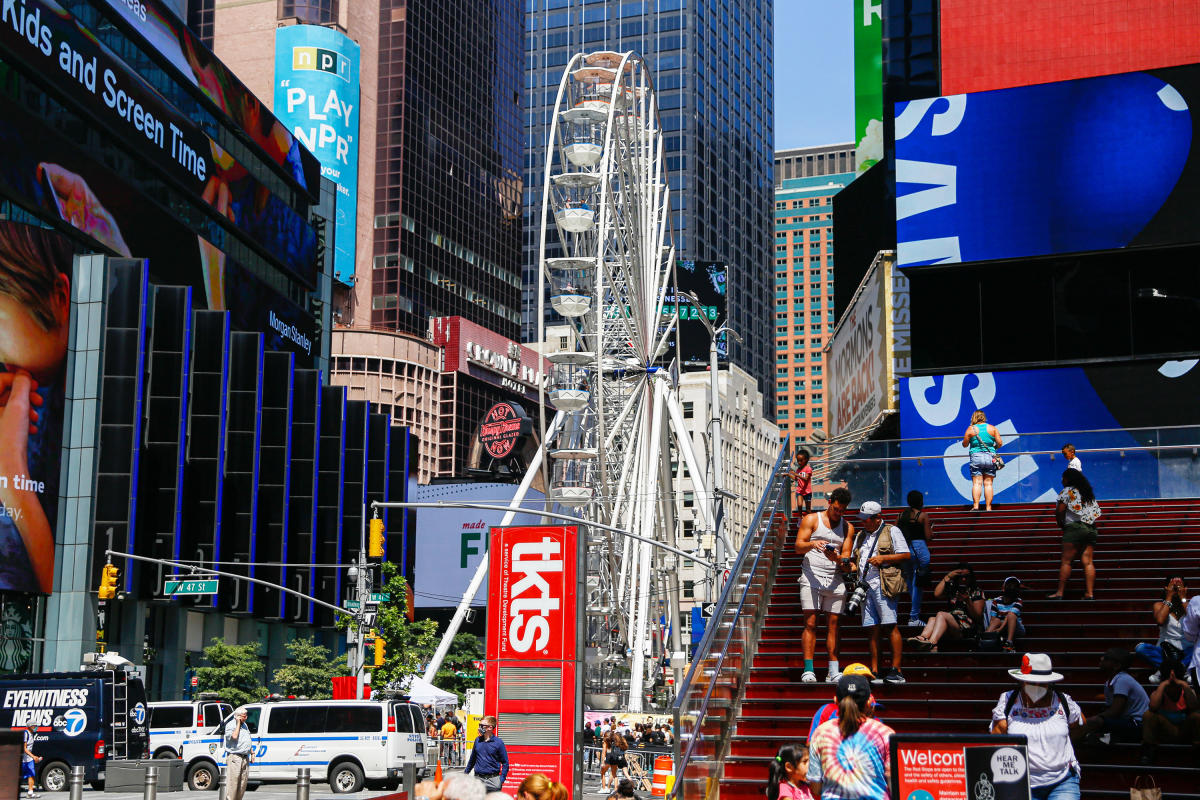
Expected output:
(858, 669)
(855, 686)
(870, 509)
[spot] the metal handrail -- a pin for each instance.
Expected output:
(834, 440)
(753, 544)
(1010, 453)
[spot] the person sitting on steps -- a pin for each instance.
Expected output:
(964, 615)
(1003, 613)
(1125, 701)
(1171, 644)
(1173, 716)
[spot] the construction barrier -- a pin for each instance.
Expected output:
(664, 768)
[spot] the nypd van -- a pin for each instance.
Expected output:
(350, 743)
(82, 719)
(171, 722)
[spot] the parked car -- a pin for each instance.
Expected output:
(173, 721)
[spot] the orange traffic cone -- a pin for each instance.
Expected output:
(437, 775)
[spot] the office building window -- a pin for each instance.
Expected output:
(313, 12)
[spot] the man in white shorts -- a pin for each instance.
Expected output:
(824, 539)
(878, 610)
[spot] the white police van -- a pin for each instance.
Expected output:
(350, 743)
(171, 722)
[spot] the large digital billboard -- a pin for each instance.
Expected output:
(868, 83)
(995, 45)
(316, 96)
(35, 313)
(706, 281)
(1129, 414)
(1095, 164)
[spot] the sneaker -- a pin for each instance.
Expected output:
(877, 681)
(832, 677)
(808, 677)
(1155, 679)
(915, 623)
(893, 676)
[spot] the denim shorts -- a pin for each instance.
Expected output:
(877, 609)
(983, 464)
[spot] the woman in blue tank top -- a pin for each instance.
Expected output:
(982, 441)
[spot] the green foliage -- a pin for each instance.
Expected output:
(310, 672)
(409, 645)
(234, 672)
(457, 673)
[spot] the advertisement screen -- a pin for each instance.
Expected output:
(316, 96)
(946, 767)
(35, 313)
(44, 171)
(868, 83)
(1054, 168)
(450, 542)
(706, 281)
(983, 47)
(1122, 453)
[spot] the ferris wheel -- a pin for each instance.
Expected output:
(607, 256)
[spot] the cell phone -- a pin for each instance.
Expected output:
(830, 547)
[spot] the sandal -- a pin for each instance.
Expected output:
(1089, 597)
(1054, 597)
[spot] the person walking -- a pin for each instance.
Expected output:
(1073, 462)
(824, 539)
(982, 441)
(489, 756)
(449, 734)
(612, 758)
(589, 746)
(29, 761)
(801, 474)
(917, 528)
(848, 757)
(239, 746)
(830, 710)
(1047, 718)
(880, 552)
(1076, 513)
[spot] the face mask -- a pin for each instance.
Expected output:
(1035, 693)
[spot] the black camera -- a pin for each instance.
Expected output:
(856, 592)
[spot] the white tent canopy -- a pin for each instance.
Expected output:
(425, 693)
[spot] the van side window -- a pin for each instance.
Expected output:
(171, 716)
(311, 719)
(252, 715)
(214, 713)
(354, 719)
(282, 720)
(418, 719)
(404, 723)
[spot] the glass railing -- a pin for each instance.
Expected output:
(705, 708)
(1120, 463)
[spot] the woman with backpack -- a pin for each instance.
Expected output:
(612, 758)
(849, 756)
(787, 774)
(1046, 717)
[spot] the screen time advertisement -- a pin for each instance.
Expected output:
(316, 96)
(1113, 405)
(1093, 164)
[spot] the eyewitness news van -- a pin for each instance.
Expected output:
(350, 743)
(87, 719)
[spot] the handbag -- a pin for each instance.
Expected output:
(1136, 792)
(891, 576)
(997, 459)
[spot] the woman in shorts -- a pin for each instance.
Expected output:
(1076, 513)
(982, 441)
(964, 613)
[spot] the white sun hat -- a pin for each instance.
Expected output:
(1035, 668)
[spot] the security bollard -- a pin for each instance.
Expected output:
(75, 783)
(150, 792)
(221, 785)
(303, 783)
(410, 780)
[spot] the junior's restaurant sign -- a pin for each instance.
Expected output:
(532, 649)
(955, 767)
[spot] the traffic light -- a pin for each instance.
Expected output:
(378, 650)
(108, 582)
(375, 543)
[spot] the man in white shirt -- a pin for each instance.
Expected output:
(239, 743)
(1073, 462)
(878, 610)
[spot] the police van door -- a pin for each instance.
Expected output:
(407, 744)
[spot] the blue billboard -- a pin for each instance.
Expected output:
(316, 96)
(1131, 417)
(1094, 164)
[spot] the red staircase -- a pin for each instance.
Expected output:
(955, 689)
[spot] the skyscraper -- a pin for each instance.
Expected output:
(713, 72)
(804, 314)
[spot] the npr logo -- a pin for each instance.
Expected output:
(321, 60)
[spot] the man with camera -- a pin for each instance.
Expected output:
(879, 552)
(824, 540)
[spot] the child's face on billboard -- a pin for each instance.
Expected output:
(24, 344)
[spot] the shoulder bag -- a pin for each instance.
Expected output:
(997, 459)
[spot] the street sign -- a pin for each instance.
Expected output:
(183, 587)
(379, 597)
(707, 609)
(369, 618)
(195, 681)
(353, 605)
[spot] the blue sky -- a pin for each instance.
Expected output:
(814, 73)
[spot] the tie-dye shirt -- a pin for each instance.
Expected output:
(853, 769)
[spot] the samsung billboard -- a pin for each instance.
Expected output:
(1094, 164)
(316, 96)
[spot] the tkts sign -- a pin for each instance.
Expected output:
(533, 650)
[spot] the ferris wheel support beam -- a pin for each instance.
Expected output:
(704, 497)
(464, 605)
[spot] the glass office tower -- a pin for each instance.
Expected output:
(713, 69)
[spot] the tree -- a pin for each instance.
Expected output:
(458, 673)
(408, 646)
(310, 673)
(234, 672)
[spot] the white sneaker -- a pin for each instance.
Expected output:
(833, 677)
(915, 623)
(1154, 679)
(808, 677)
